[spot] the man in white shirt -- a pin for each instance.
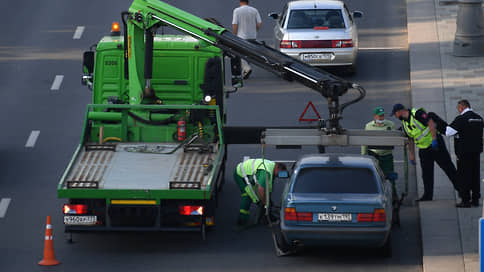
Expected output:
(246, 21)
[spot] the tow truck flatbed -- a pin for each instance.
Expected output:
(139, 166)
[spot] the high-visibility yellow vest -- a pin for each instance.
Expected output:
(417, 131)
(257, 164)
(248, 169)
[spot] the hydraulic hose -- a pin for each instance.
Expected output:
(125, 34)
(362, 95)
(167, 121)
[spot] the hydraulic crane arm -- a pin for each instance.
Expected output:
(147, 15)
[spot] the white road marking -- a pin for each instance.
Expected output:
(78, 32)
(4, 206)
(32, 138)
(57, 82)
(382, 48)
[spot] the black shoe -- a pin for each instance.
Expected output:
(475, 203)
(463, 205)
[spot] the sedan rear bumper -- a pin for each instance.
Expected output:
(340, 57)
(364, 236)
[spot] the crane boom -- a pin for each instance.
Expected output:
(145, 16)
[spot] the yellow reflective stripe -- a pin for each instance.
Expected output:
(244, 194)
(134, 202)
(424, 133)
(416, 123)
(244, 211)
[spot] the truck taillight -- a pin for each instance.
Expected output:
(75, 209)
(377, 216)
(191, 210)
(290, 214)
(342, 43)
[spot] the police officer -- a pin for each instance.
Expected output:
(251, 177)
(415, 125)
(467, 129)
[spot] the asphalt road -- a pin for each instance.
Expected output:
(37, 45)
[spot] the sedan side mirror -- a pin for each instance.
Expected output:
(273, 15)
(357, 14)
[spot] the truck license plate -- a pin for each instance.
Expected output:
(80, 219)
(317, 57)
(335, 217)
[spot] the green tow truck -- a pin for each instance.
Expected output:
(153, 151)
(152, 154)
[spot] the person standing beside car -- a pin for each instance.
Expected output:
(384, 156)
(246, 21)
(467, 131)
(415, 125)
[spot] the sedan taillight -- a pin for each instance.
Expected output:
(290, 214)
(342, 43)
(377, 216)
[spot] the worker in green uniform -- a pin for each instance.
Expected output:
(384, 156)
(251, 177)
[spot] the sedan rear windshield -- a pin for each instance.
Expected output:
(336, 181)
(315, 18)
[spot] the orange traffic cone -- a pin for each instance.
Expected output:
(49, 258)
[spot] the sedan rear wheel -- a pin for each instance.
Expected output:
(386, 249)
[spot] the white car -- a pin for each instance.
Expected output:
(318, 32)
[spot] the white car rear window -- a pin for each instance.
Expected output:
(314, 18)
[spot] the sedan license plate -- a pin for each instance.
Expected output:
(80, 219)
(334, 217)
(317, 57)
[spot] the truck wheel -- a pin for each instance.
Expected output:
(203, 230)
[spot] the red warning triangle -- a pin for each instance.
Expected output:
(302, 119)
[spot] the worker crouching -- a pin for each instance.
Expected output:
(252, 176)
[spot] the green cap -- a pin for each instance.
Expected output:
(379, 111)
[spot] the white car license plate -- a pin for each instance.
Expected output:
(80, 219)
(335, 217)
(317, 57)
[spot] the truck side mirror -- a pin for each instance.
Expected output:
(357, 14)
(88, 62)
(273, 15)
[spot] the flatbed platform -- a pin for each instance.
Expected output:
(141, 165)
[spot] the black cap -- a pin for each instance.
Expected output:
(396, 108)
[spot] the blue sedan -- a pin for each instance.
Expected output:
(334, 199)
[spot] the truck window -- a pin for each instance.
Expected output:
(336, 180)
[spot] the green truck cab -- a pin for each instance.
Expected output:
(149, 159)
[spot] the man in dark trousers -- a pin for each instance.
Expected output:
(415, 126)
(467, 131)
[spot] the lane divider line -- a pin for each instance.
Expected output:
(78, 32)
(32, 138)
(4, 206)
(57, 82)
